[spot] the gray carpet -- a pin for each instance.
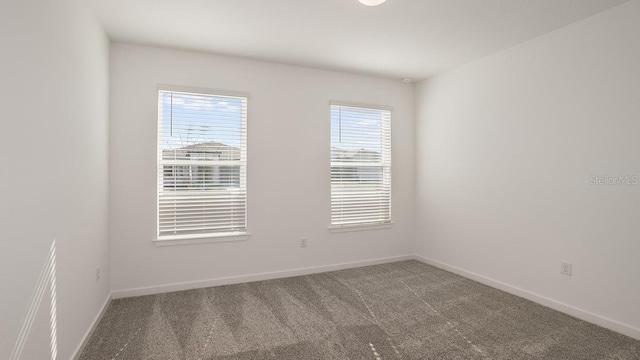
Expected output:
(403, 310)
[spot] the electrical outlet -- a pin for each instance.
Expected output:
(303, 243)
(565, 268)
(97, 273)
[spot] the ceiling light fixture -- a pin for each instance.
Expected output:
(372, 2)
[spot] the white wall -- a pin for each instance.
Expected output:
(288, 114)
(505, 149)
(54, 181)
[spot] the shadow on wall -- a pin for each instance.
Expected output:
(47, 280)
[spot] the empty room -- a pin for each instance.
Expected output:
(320, 179)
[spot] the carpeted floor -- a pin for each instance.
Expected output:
(403, 310)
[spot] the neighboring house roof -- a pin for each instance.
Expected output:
(205, 150)
(217, 150)
(353, 155)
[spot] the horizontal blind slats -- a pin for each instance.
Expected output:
(201, 164)
(360, 165)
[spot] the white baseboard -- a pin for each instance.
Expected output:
(117, 294)
(542, 300)
(87, 335)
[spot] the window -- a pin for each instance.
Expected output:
(360, 166)
(202, 165)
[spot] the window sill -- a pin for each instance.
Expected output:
(227, 237)
(348, 228)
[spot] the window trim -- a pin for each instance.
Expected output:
(363, 226)
(359, 105)
(203, 239)
(199, 238)
(198, 90)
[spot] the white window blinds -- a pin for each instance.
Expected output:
(360, 166)
(202, 157)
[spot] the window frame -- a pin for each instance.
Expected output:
(187, 239)
(388, 223)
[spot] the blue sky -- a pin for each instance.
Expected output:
(356, 128)
(189, 119)
(199, 118)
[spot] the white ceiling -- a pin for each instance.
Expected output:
(400, 38)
